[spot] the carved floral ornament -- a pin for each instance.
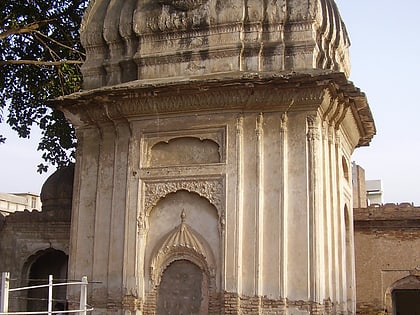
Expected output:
(210, 188)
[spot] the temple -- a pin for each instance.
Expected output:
(237, 116)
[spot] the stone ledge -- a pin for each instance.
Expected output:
(403, 215)
(244, 91)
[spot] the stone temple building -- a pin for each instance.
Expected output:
(213, 168)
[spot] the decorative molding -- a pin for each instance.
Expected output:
(213, 189)
(142, 224)
(239, 92)
(331, 134)
(182, 243)
(178, 16)
(313, 127)
(184, 5)
(214, 134)
(195, 34)
(206, 98)
(283, 123)
(259, 130)
(150, 59)
(318, 33)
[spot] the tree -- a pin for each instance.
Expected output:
(40, 58)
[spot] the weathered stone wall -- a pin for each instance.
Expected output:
(262, 172)
(387, 239)
(23, 237)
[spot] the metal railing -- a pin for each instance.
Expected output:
(5, 289)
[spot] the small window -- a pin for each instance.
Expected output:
(33, 203)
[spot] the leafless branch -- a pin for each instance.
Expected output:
(25, 29)
(52, 53)
(60, 44)
(18, 31)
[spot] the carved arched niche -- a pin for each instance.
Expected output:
(182, 243)
(184, 151)
(195, 239)
(183, 231)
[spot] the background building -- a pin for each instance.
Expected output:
(387, 243)
(374, 192)
(10, 203)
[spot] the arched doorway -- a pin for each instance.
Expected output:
(182, 290)
(403, 296)
(406, 301)
(49, 262)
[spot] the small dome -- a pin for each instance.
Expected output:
(57, 191)
(159, 39)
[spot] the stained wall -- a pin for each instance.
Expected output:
(387, 239)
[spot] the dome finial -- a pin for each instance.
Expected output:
(183, 216)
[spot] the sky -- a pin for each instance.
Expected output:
(385, 65)
(385, 61)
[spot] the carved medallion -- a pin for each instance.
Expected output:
(184, 5)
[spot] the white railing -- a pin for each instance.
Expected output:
(5, 289)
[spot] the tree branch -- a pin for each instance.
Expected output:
(18, 31)
(30, 28)
(60, 44)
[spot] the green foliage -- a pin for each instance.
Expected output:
(37, 39)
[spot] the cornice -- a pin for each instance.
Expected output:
(243, 91)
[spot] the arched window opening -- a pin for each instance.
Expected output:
(345, 167)
(349, 254)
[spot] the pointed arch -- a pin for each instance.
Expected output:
(182, 243)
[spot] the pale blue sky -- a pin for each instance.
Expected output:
(385, 65)
(384, 56)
